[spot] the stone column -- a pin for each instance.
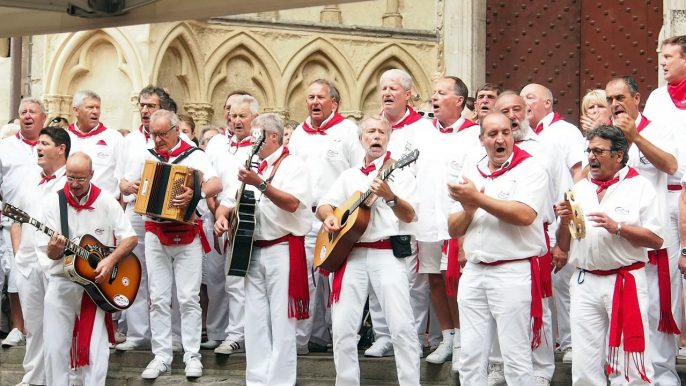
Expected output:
(57, 105)
(392, 18)
(201, 113)
(331, 14)
(282, 112)
(135, 112)
(465, 57)
(674, 24)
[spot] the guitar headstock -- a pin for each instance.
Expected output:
(258, 143)
(407, 159)
(15, 214)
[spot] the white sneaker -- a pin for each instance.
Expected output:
(496, 376)
(209, 345)
(229, 347)
(302, 351)
(119, 337)
(380, 349)
(682, 353)
(193, 367)
(441, 354)
(156, 368)
(567, 358)
(127, 346)
(14, 338)
(540, 381)
(456, 359)
(177, 347)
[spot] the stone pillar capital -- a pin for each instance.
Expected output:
(201, 112)
(57, 105)
(280, 111)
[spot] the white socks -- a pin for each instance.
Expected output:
(457, 341)
(448, 337)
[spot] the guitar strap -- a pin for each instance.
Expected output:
(63, 213)
(276, 166)
(178, 159)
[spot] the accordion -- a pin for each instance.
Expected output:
(160, 184)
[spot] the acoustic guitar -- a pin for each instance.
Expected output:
(353, 216)
(115, 294)
(242, 222)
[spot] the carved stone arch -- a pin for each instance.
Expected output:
(178, 66)
(391, 56)
(241, 62)
(317, 59)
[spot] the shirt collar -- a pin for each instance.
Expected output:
(85, 198)
(483, 164)
(455, 126)
(309, 120)
(273, 157)
(407, 113)
(547, 119)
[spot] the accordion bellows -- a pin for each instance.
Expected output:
(160, 184)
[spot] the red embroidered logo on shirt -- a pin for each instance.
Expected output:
(101, 142)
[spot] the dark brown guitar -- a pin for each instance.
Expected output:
(115, 294)
(353, 216)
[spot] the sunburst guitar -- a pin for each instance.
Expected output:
(118, 292)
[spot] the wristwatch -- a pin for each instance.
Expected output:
(392, 202)
(683, 251)
(619, 229)
(262, 187)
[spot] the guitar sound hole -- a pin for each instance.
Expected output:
(344, 218)
(93, 261)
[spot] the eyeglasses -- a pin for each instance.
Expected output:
(162, 134)
(57, 120)
(150, 106)
(77, 179)
(426, 114)
(597, 152)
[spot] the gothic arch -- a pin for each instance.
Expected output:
(180, 42)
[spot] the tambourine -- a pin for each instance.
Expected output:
(576, 225)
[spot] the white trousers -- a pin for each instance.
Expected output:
(235, 296)
(62, 306)
(306, 326)
(138, 315)
(378, 270)
(214, 277)
(420, 298)
(8, 268)
(561, 293)
(180, 264)
(499, 295)
(591, 310)
(270, 351)
(32, 297)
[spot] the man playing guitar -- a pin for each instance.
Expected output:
(66, 308)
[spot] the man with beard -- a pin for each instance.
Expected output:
(458, 136)
(329, 145)
(18, 158)
(652, 151)
(485, 100)
(90, 136)
(501, 205)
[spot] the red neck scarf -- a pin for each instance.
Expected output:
(467, 123)
(518, 157)
(539, 128)
(174, 153)
(371, 167)
(46, 179)
(97, 130)
(678, 94)
(95, 192)
(412, 117)
(336, 119)
(145, 133)
(263, 164)
(26, 141)
(666, 323)
(245, 142)
(606, 184)
(643, 123)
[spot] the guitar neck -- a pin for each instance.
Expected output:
(69, 245)
(384, 176)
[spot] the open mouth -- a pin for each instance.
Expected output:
(40, 155)
(594, 165)
(388, 101)
(618, 112)
(515, 124)
(500, 149)
(316, 110)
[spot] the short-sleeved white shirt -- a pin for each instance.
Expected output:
(272, 221)
(489, 239)
(328, 155)
(17, 160)
(566, 136)
(104, 222)
(660, 109)
(30, 200)
(631, 201)
(383, 222)
(103, 149)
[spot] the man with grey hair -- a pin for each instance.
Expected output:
(329, 144)
(90, 136)
(173, 253)
(244, 109)
(18, 159)
(276, 290)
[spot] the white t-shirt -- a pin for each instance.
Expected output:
(566, 136)
(660, 109)
(489, 239)
(383, 222)
(103, 148)
(631, 201)
(17, 160)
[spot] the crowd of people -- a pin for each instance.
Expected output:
(514, 236)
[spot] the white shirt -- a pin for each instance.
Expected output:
(102, 222)
(383, 223)
(31, 201)
(327, 155)
(17, 160)
(661, 137)
(272, 221)
(103, 148)
(631, 201)
(220, 144)
(489, 239)
(566, 136)
(660, 109)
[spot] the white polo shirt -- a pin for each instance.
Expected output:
(489, 239)
(661, 137)
(30, 200)
(273, 222)
(328, 155)
(103, 148)
(631, 201)
(660, 109)
(383, 222)
(566, 136)
(17, 161)
(104, 221)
